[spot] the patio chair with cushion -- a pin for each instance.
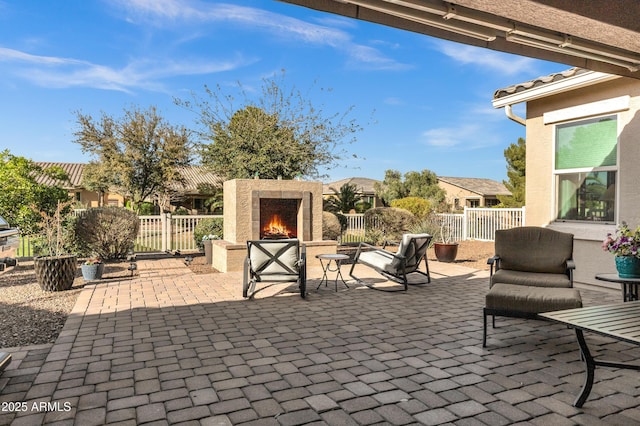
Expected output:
(397, 266)
(274, 261)
(531, 273)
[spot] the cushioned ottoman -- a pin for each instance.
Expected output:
(521, 301)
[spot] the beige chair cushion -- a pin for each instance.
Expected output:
(534, 279)
(275, 270)
(532, 299)
(381, 260)
(534, 249)
(386, 261)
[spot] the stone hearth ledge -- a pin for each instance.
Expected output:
(228, 256)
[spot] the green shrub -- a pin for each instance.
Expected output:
(147, 209)
(209, 226)
(420, 207)
(331, 228)
(428, 225)
(108, 232)
(374, 236)
(181, 211)
(391, 221)
(344, 222)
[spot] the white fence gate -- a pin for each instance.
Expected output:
(168, 233)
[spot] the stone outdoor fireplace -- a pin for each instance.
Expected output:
(257, 209)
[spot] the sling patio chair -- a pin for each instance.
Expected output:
(274, 261)
(397, 266)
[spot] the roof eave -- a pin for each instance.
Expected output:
(553, 88)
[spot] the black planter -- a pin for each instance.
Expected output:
(55, 273)
(446, 252)
(92, 272)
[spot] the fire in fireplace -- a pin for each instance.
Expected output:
(278, 218)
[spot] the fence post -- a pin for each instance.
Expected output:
(165, 231)
(465, 220)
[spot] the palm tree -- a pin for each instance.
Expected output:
(344, 200)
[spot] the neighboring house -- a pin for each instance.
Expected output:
(582, 157)
(75, 188)
(365, 188)
(471, 192)
(197, 189)
(189, 196)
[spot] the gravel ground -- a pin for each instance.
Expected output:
(30, 316)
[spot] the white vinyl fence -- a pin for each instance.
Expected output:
(165, 232)
(473, 224)
(157, 233)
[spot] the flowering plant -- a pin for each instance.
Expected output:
(625, 242)
(210, 237)
(93, 261)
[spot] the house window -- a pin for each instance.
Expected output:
(473, 203)
(585, 169)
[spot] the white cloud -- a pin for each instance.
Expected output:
(504, 63)
(465, 136)
(326, 33)
(394, 101)
(54, 72)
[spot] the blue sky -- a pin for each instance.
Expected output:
(430, 99)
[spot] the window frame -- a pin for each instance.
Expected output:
(557, 173)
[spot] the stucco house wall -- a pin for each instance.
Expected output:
(589, 256)
(462, 195)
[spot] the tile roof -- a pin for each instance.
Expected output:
(365, 184)
(537, 82)
(193, 175)
(73, 170)
(480, 186)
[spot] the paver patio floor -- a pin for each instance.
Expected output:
(173, 347)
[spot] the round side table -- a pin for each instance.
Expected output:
(629, 285)
(325, 262)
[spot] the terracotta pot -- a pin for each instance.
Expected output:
(55, 273)
(446, 252)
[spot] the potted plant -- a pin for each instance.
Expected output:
(625, 245)
(54, 267)
(446, 250)
(92, 269)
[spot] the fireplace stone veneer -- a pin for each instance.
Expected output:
(242, 217)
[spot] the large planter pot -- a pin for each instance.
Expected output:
(446, 252)
(55, 273)
(628, 266)
(92, 272)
